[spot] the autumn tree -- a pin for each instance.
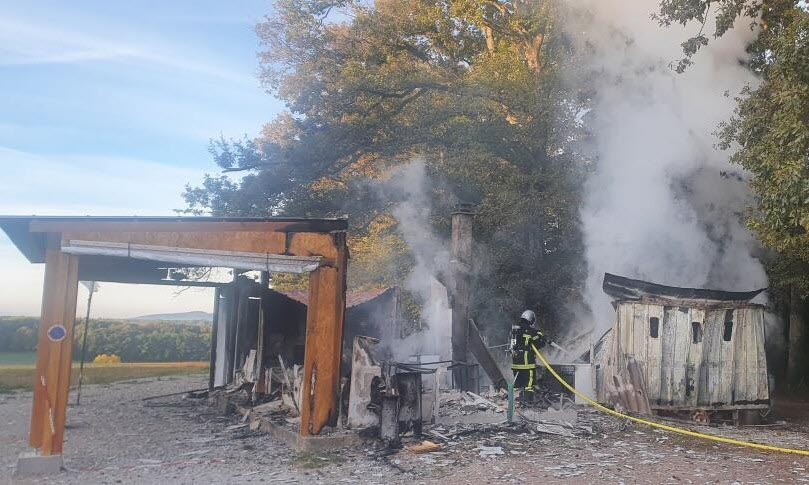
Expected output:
(471, 86)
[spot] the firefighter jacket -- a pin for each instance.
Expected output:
(524, 341)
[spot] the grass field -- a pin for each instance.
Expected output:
(21, 377)
(18, 358)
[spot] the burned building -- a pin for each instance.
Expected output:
(697, 350)
(247, 311)
(370, 312)
(138, 250)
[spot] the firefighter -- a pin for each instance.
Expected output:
(525, 340)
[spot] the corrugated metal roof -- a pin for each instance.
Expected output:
(623, 288)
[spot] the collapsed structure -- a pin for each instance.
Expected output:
(257, 328)
(697, 350)
(681, 349)
(254, 326)
(140, 250)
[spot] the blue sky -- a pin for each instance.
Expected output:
(107, 108)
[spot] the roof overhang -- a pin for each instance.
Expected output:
(622, 288)
(29, 233)
(109, 250)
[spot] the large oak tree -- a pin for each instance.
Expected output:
(470, 86)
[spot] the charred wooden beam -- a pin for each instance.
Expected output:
(484, 357)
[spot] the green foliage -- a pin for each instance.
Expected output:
(472, 86)
(152, 342)
(156, 342)
(724, 12)
(18, 334)
(769, 131)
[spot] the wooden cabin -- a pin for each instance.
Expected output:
(696, 349)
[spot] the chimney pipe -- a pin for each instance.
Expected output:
(461, 269)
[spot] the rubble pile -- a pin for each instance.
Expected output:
(443, 447)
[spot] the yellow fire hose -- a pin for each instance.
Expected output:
(653, 424)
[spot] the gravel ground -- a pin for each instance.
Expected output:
(115, 437)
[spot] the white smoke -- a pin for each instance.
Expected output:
(410, 187)
(662, 204)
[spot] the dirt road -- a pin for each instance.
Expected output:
(115, 437)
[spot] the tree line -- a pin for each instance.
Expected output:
(148, 342)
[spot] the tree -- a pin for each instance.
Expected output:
(472, 86)
(770, 135)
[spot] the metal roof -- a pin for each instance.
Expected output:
(623, 288)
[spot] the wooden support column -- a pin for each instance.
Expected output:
(324, 341)
(54, 351)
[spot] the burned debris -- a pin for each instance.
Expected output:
(137, 250)
(331, 368)
(260, 347)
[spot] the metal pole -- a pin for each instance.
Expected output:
(510, 384)
(84, 340)
(217, 294)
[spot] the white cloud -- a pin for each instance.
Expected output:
(84, 185)
(116, 77)
(96, 185)
(26, 43)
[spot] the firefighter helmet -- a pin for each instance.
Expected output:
(529, 316)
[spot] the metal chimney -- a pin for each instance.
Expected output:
(461, 269)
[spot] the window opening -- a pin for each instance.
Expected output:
(654, 327)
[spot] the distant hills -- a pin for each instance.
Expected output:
(175, 317)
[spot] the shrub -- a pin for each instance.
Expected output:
(107, 359)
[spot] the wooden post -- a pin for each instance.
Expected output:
(324, 337)
(54, 350)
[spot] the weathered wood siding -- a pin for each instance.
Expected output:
(690, 364)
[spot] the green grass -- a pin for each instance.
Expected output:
(21, 377)
(18, 358)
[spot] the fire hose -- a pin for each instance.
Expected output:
(672, 429)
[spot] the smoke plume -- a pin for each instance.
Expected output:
(409, 187)
(662, 203)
